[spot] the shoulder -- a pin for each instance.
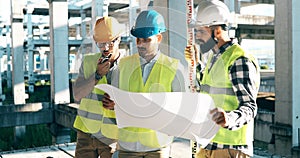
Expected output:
(128, 59)
(169, 59)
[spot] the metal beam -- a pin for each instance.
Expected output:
(245, 31)
(257, 2)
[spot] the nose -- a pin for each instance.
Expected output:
(140, 41)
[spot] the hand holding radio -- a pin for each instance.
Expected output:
(103, 65)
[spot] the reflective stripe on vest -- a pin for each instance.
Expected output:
(216, 90)
(89, 115)
(91, 100)
(92, 117)
(217, 83)
(159, 80)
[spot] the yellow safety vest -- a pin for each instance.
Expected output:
(216, 82)
(92, 117)
(159, 80)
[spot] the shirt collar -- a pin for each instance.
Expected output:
(224, 47)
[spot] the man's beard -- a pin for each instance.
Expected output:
(208, 45)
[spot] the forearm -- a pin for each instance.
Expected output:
(241, 116)
(82, 87)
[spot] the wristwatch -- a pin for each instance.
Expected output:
(97, 76)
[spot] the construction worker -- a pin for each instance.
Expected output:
(231, 76)
(96, 126)
(149, 70)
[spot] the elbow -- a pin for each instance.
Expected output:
(76, 93)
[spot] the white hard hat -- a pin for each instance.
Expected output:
(212, 12)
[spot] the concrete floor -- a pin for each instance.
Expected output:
(179, 149)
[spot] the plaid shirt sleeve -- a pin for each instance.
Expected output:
(243, 75)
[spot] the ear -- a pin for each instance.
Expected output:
(159, 38)
(218, 32)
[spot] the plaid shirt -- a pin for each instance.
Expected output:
(243, 77)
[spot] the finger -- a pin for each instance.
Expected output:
(109, 105)
(213, 111)
(100, 60)
(107, 100)
(106, 95)
(106, 64)
(220, 121)
(188, 46)
(217, 117)
(102, 66)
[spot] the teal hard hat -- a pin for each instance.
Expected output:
(148, 23)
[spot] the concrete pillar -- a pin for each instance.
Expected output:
(175, 39)
(17, 53)
(8, 54)
(78, 36)
(1, 53)
(59, 59)
(233, 5)
(2, 96)
(175, 19)
(132, 17)
(30, 61)
(59, 56)
(163, 8)
(230, 4)
(41, 29)
(296, 72)
(42, 57)
(237, 6)
(286, 128)
(144, 4)
(83, 23)
(83, 30)
(17, 40)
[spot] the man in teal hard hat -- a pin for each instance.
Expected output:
(149, 70)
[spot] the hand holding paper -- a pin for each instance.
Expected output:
(180, 114)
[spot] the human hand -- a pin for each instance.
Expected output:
(102, 67)
(219, 116)
(191, 53)
(107, 102)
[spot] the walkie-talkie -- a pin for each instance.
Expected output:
(104, 59)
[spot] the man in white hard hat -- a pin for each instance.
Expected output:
(95, 123)
(231, 76)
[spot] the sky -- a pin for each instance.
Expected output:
(4, 9)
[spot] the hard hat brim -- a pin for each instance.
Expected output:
(146, 32)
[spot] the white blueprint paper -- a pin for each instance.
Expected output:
(180, 114)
